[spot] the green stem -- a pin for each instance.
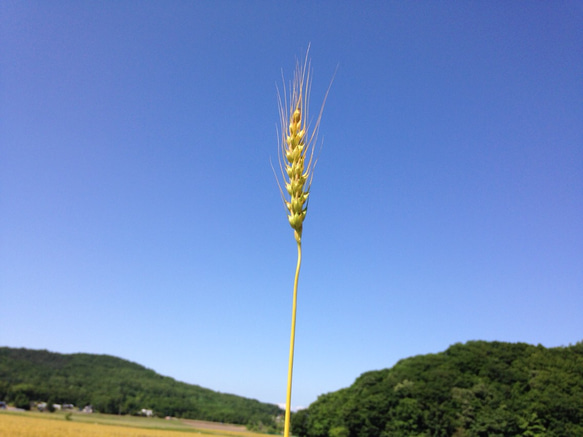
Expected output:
(291, 345)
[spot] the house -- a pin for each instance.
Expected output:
(147, 413)
(87, 409)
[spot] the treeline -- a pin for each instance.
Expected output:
(116, 386)
(477, 389)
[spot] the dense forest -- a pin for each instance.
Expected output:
(116, 386)
(476, 389)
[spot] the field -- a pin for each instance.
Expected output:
(30, 424)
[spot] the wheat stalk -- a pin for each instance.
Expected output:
(297, 163)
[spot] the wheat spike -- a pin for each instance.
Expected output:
(297, 142)
(296, 163)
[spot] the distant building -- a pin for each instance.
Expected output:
(147, 413)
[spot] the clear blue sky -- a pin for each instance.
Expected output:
(140, 217)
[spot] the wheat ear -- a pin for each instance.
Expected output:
(296, 161)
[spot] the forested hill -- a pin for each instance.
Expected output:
(473, 389)
(114, 385)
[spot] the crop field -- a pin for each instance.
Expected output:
(98, 425)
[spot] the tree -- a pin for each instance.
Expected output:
(471, 390)
(299, 423)
(338, 431)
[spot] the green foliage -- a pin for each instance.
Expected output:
(338, 431)
(299, 423)
(476, 389)
(116, 386)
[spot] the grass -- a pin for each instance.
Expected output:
(33, 424)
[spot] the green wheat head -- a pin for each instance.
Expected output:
(296, 163)
(296, 146)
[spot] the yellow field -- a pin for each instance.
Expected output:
(35, 425)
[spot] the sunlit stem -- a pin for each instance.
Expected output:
(291, 346)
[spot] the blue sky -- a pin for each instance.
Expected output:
(140, 216)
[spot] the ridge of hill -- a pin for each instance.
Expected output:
(117, 386)
(477, 389)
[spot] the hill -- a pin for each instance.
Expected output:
(116, 386)
(476, 389)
